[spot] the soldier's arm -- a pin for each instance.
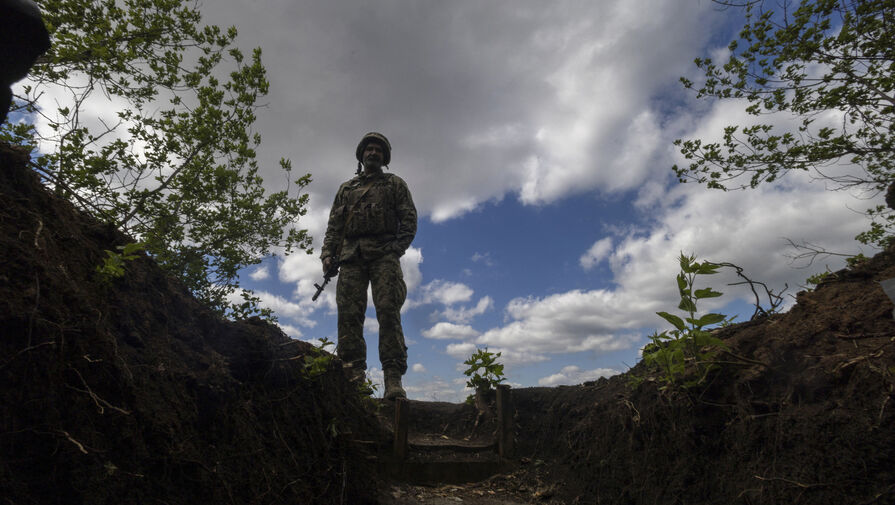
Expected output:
(406, 217)
(335, 227)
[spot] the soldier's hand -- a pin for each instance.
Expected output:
(327, 264)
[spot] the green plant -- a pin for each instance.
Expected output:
(318, 360)
(484, 371)
(810, 61)
(367, 387)
(172, 159)
(113, 263)
(690, 340)
(818, 278)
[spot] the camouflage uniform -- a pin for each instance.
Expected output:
(367, 244)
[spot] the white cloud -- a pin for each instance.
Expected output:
(586, 72)
(410, 266)
(484, 258)
(597, 253)
(574, 375)
(463, 314)
(443, 292)
(283, 308)
(462, 350)
(418, 368)
(450, 331)
(260, 273)
(290, 330)
(436, 390)
(570, 322)
(371, 326)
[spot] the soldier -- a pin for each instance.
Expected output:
(371, 225)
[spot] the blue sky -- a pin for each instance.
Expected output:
(536, 139)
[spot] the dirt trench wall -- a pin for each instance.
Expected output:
(810, 419)
(130, 391)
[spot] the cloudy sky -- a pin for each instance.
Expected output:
(536, 139)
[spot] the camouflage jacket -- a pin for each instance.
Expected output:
(370, 217)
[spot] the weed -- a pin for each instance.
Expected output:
(113, 264)
(484, 371)
(318, 360)
(689, 340)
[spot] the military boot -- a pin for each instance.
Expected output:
(393, 387)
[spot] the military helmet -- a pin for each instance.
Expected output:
(374, 137)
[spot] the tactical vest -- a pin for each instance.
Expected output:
(370, 208)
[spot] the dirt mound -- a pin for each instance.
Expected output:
(129, 391)
(802, 410)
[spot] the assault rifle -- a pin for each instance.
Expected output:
(332, 272)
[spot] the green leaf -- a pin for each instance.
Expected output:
(710, 319)
(707, 268)
(706, 293)
(673, 319)
(687, 305)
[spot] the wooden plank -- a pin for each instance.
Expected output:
(506, 428)
(402, 409)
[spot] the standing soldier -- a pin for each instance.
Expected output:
(371, 224)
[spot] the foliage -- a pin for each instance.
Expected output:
(819, 277)
(689, 340)
(113, 263)
(484, 371)
(174, 163)
(318, 360)
(829, 63)
(367, 388)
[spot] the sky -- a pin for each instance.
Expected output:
(537, 141)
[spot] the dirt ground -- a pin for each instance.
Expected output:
(130, 391)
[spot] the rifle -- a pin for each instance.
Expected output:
(332, 272)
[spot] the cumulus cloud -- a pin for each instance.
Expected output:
(437, 390)
(466, 314)
(588, 123)
(290, 330)
(597, 253)
(443, 292)
(450, 331)
(572, 374)
(371, 326)
(259, 274)
(575, 321)
(283, 307)
(410, 265)
(462, 350)
(418, 368)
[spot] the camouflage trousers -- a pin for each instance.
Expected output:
(389, 292)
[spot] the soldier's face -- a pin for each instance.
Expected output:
(373, 155)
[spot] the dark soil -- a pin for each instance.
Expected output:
(801, 411)
(130, 391)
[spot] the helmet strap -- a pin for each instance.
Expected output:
(360, 168)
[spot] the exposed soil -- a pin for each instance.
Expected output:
(802, 411)
(129, 391)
